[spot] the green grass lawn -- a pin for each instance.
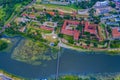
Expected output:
(51, 6)
(73, 6)
(103, 33)
(17, 9)
(2, 13)
(37, 28)
(38, 1)
(115, 44)
(62, 7)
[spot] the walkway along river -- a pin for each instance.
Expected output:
(69, 62)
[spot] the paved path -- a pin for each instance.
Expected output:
(69, 47)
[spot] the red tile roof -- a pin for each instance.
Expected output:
(73, 33)
(69, 22)
(67, 32)
(61, 13)
(92, 28)
(51, 13)
(24, 14)
(76, 34)
(47, 28)
(8, 25)
(32, 16)
(115, 32)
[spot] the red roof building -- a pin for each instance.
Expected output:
(76, 34)
(51, 13)
(116, 32)
(47, 28)
(61, 13)
(70, 32)
(8, 25)
(67, 32)
(32, 16)
(91, 28)
(24, 15)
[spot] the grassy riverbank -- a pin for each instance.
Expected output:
(89, 77)
(11, 75)
(65, 9)
(111, 51)
(7, 44)
(106, 76)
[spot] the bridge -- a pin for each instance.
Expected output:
(58, 62)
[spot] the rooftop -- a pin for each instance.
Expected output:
(116, 32)
(70, 32)
(47, 28)
(92, 28)
(102, 4)
(51, 13)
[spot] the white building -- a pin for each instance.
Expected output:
(83, 12)
(101, 4)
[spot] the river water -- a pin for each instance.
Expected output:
(70, 62)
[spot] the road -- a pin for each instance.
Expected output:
(5, 26)
(61, 44)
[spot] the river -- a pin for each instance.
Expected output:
(70, 62)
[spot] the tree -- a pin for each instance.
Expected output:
(3, 45)
(87, 42)
(67, 17)
(96, 19)
(80, 28)
(91, 12)
(60, 35)
(95, 44)
(109, 29)
(112, 5)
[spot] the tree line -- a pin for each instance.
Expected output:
(4, 2)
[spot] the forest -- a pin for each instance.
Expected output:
(8, 7)
(5, 2)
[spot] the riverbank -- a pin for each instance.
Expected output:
(106, 76)
(114, 51)
(10, 76)
(98, 76)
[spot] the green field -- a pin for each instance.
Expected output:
(66, 9)
(17, 9)
(2, 13)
